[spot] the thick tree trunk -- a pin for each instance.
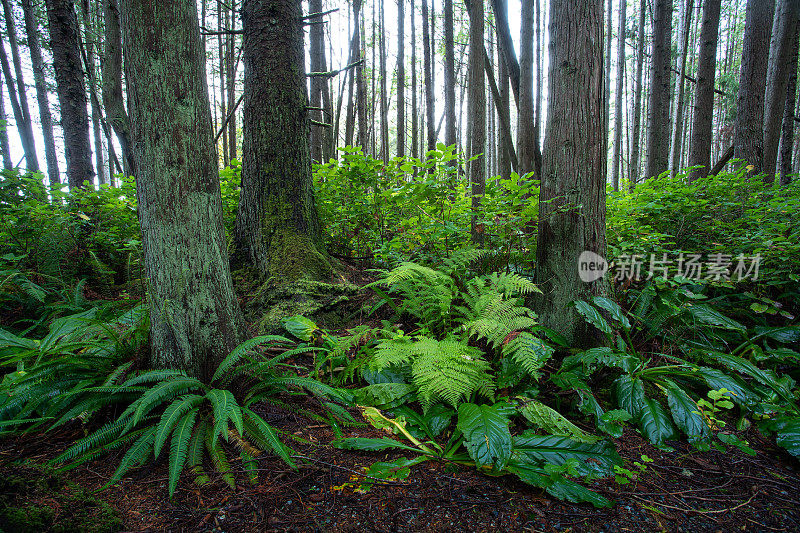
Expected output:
(45, 116)
(634, 169)
(677, 121)
(65, 44)
(525, 124)
(572, 194)
(658, 107)
(401, 79)
(477, 113)
(277, 225)
(19, 95)
(700, 148)
(113, 98)
(618, 96)
(426, 52)
(787, 128)
(748, 139)
(195, 319)
(449, 77)
(777, 80)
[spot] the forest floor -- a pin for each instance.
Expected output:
(682, 490)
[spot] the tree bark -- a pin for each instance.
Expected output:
(677, 121)
(477, 113)
(384, 91)
(231, 78)
(572, 194)
(700, 148)
(618, 96)
(45, 116)
(195, 319)
(414, 89)
(113, 98)
(427, 58)
(748, 139)
(607, 78)
(658, 106)
(277, 225)
(525, 124)
(401, 79)
(5, 146)
(19, 96)
(317, 63)
(635, 168)
(777, 80)
(65, 44)
(87, 50)
(449, 77)
(504, 115)
(787, 127)
(361, 89)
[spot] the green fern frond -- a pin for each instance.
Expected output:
(136, 456)
(265, 436)
(171, 416)
(154, 376)
(242, 351)
(162, 392)
(102, 436)
(529, 352)
(180, 447)
(225, 408)
(219, 460)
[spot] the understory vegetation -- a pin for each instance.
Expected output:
(444, 356)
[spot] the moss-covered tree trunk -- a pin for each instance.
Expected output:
(572, 195)
(195, 318)
(277, 225)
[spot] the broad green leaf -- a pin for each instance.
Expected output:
(384, 395)
(788, 436)
(629, 394)
(593, 316)
(708, 315)
(300, 327)
(486, 434)
(613, 309)
(655, 424)
(559, 487)
(596, 459)
(370, 445)
(685, 413)
(551, 421)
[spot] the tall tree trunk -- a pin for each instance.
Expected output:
(504, 115)
(19, 95)
(361, 89)
(525, 124)
(748, 140)
(45, 116)
(195, 319)
(384, 90)
(223, 110)
(87, 51)
(777, 80)
(277, 225)
(787, 128)
(634, 169)
(449, 77)
(401, 79)
(113, 98)
(618, 96)
(414, 89)
(658, 107)
(607, 78)
(231, 77)
(572, 194)
(355, 55)
(316, 64)
(477, 113)
(677, 121)
(5, 146)
(426, 52)
(65, 44)
(700, 148)
(539, 76)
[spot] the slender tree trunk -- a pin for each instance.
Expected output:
(748, 140)
(19, 95)
(477, 113)
(634, 169)
(539, 76)
(525, 124)
(677, 129)
(426, 52)
(414, 89)
(504, 115)
(777, 80)
(384, 90)
(113, 99)
(658, 112)
(572, 194)
(5, 146)
(618, 96)
(87, 51)
(700, 148)
(361, 89)
(231, 77)
(449, 76)
(277, 225)
(65, 45)
(787, 128)
(355, 55)
(316, 64)
(607, 78)
(223, 110)
(46, 118)
(401, 79)
(195, 319)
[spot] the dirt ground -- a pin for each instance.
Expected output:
(682, 490)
